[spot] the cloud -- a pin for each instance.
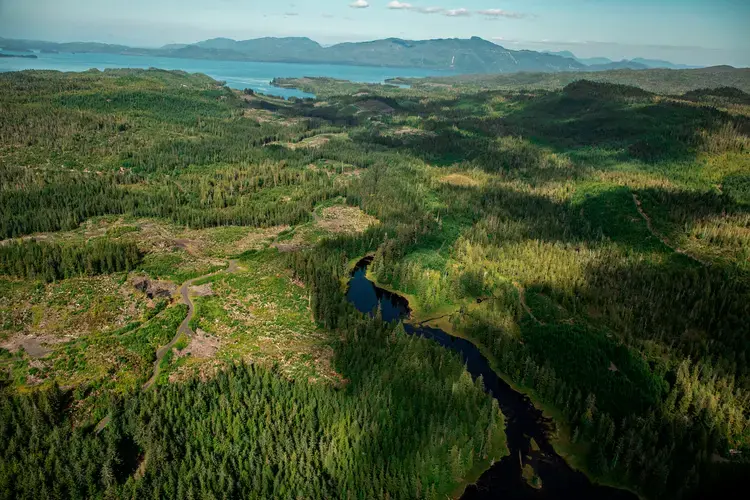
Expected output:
(457, 12)
(460, 12)
(430, 10)
(359, 4)
(497, 13)
(396, 5)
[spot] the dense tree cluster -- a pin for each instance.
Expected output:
(54, 261)
(409, 424)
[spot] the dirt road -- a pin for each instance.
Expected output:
(185, 325)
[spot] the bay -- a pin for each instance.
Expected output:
(237, 74)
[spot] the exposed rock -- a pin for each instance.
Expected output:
(154, 288)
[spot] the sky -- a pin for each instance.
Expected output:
(700, 32)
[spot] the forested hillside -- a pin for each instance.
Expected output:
(662, 81)
(593, 241)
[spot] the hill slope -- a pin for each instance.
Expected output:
(473, 55)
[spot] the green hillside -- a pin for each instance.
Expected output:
(174, 259)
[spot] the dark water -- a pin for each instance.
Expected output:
(523, 420)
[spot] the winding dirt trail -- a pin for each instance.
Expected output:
(522, 298)
(185, 325)
(661, 237)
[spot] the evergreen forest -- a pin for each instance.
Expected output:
(592, 239)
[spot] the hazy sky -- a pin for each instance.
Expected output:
(685, 31)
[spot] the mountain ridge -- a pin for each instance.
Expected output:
(605, 63)
(472, 55)
(461, 55)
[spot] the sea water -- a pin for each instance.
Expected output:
(237, 74)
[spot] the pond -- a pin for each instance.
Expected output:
(523, 420)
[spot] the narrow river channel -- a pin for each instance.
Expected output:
(523, 420)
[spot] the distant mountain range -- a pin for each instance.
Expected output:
(473, 55)
(603, 63)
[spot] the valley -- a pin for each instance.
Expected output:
(584, 240)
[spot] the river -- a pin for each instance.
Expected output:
(523, 420)
(237, 74)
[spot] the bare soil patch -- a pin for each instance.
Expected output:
(343, 219)
(312, 142)
(202, 290)
(412, 131)
(291, 246)
(330, 220)
(202, 345)
(68, 309)
(265, 116)
(34, 345)
(219, 243)
(189, 246)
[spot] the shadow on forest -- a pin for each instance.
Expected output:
(632, 123)
(317, 113)
(643, 129)
(606, 213)
(694, 314)
(130, 457)
(669, 303)
(610, 213)
(674, 287)
(737, 187)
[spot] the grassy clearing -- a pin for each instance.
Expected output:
(47, 319)
(68, 308)
(260, 315)
(98, 363)
(314, 142)
(330, 218)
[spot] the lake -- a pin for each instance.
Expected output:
(237, 74)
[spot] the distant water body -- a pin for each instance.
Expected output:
(237, 74)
